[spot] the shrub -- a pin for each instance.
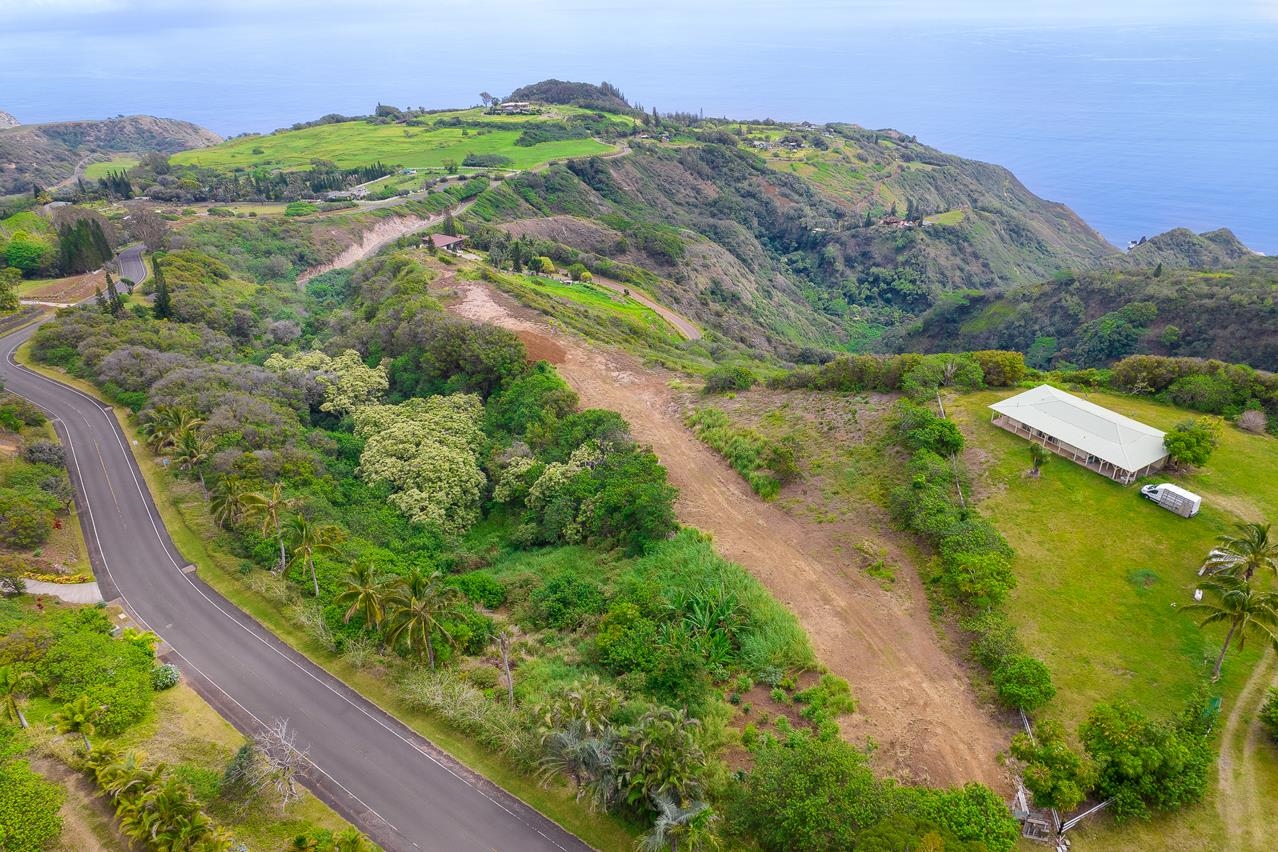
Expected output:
(164, 677)
(565, 601)
(830, 698)
(113, 674)
(1056, 775)
(1001, 368)
(1023, 682)
(26, 517)
(995, 638)
(480, 588)
(300, 208)
(1191, 442)
(1269, 713)
(44, 452)
(923, 430)
(729, 378)
(1253, 420)
(973, 813)
(1144, 764)
(29, 808)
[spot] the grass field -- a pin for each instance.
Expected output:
(359, 143)
(97, 171)
(1102, 572)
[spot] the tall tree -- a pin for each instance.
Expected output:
(114, 304)
(307, 539)
(227, 502)
(190, 450)
(1244, 554)
(269, 508)
(162, 305)
(418, 610)
(1244, 609)
(16, 684)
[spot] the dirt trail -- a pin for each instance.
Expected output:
(1241, 800)
(383, 233)
(916, 701)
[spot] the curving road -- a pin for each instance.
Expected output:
(396, 786)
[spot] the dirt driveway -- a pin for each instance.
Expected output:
(917, 703)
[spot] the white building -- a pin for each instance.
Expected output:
(1097, 438)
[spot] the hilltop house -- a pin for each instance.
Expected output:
(444, 242)
(1097, 438)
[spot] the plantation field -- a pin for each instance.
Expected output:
(97, 171)
(359, 143)
(1102, 573)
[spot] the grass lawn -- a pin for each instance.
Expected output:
(359, 143)
(97, 171)
(186, 516)
(949, 217)
(1102, 572)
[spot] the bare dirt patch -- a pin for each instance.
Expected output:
(382, 233)
(1242, 800)
(66, 291)
(917, 702)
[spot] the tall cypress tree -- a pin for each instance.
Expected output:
(161, 308)
(114, 303)
(101, 300)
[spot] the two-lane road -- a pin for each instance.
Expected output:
(389, 781)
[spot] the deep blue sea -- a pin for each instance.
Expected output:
(1139, 128)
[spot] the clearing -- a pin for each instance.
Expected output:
(121, 162)
(917, 703)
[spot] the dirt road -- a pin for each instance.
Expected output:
(1242, 799)
(917, 702)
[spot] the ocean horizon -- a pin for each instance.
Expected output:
(1138, 129)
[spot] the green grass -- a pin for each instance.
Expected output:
(1102, 573)
(185, 515)
(949, 217)
(97, 171)
(360, 143)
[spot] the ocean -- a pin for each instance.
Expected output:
(1138, 128)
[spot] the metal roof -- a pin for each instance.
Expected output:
(1125, 443)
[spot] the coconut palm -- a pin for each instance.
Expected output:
(14, 685)
(227, 502)
(417, 610)
(1243, 555)
(1240, 606)
(364, 594)
(269, 508)
(165, 423)
(78, 717)
(190, 450)
(307, 539)
(127, 776)
(691, 826)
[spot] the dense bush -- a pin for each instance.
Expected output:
(1269, 713)
(164, 677)
(1056, 775)
(1023, 683)
(30, 819)
(44, 452)
(1143, 764)
(115, 675)
(729, 378)
(565, 601)
(26, 517)
(1191, 442)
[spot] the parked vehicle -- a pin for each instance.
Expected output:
(1173, 498)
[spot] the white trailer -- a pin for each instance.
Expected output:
(1173, 498)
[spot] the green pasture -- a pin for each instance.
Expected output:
(360, 143)
(97, 171)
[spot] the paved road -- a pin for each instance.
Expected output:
(131, 265)
(392, 783)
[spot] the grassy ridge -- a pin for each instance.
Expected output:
(361, 143)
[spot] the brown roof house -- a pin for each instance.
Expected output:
(452, 245)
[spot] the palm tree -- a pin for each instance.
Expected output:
(127, 776)
(77, 717)
(692, 825)
(365, 593)
(1243, 608)
(15, 684)
(307, 539)
(227, 502)
(1243, 554)
(269, 508)
(190, 450)
(416, 610)
(351, 840)
(165, 423)
(588, 758)
(1039, 456)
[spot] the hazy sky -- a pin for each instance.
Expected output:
(26, 15)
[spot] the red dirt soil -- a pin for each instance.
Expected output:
(916, 700)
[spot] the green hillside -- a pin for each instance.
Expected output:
(1094, 318)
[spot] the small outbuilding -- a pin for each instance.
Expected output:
(1095, 437)
(444, 242)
